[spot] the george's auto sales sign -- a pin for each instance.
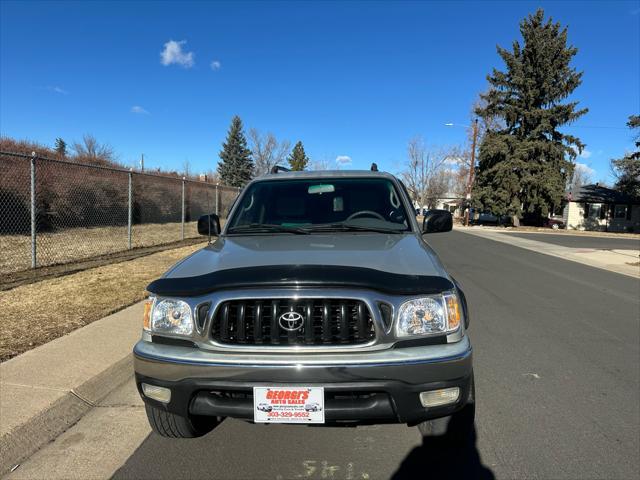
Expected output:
(288, 404)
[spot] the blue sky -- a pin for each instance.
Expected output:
(355, 79)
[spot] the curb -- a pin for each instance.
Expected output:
(25, 440)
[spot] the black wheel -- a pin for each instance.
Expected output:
(174, 426)
(456, 427)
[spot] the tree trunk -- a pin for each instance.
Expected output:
(515, 220)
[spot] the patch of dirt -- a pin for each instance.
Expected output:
(37, 313)
(25, 277)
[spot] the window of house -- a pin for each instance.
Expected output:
(594, 210)
(620, 211)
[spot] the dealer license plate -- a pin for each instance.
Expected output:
(288, 404)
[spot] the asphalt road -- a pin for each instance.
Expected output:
(583, 241)
(556, 350)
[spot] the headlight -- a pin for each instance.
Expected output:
(429, 315)
(171, 316)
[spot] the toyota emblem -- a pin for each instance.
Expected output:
(291, 321)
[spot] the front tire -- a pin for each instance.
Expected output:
(456, 427)
(170, 425)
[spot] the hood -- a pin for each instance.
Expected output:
(404, 254)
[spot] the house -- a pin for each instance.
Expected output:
(450, 201)
(595, 207)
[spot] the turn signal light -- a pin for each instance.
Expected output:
(161, 394)
(453, 311)
(438, 398)
(146, 319)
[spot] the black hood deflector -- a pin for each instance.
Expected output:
(315, 276)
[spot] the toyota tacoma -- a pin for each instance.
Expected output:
(320, 290)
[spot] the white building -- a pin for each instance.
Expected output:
(594, 207)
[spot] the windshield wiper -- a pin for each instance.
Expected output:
(347, 227)
(267, 227)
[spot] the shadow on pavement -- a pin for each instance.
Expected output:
(438, 459)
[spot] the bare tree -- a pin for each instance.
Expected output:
(321, 164)
(267, 151)
(457, 161)
(211, 176)
(581, 176)
(186, 168)
(92, 151)
(425, 176)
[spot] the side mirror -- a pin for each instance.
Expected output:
(209, 223)
(437, 221)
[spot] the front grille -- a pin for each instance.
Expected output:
(311, 322)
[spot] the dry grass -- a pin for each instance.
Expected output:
(34, 314)
(75, 244)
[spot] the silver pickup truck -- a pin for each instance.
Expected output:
(319, 290)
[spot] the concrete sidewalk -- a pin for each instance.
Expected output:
(618, 261)
(48, 389)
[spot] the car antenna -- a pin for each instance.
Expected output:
(374, 167)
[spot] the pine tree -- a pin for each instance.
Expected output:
(236, 166)
(298, 158)
(61, 147)
(525, 163)
(627, 169)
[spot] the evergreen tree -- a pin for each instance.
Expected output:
(298, 158)
(525, 163)
(627, 169)
(61, 147)
(236, 166)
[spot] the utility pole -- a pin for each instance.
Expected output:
(472, 167)
(142, 163)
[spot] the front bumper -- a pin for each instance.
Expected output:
(376, 387)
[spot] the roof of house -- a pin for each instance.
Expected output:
(598, 194)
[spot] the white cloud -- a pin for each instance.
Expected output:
(139, 110)
(585, 169)
(216, 65)
(343, 160)
(585, 154)
(57, 89)
(173, 53)
(452, 161)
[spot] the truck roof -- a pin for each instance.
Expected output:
(324, 174)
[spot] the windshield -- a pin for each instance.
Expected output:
(336, 204)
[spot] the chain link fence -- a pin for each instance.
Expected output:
(54, 212)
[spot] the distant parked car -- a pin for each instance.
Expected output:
(488, 218)
(554, 222)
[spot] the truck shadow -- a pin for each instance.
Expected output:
(438, 459)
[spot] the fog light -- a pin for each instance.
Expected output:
(160, 394)
(437, 398)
